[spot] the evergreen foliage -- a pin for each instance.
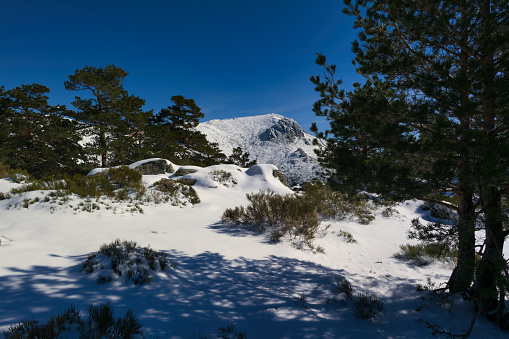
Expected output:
(112, 118)
(46, 140)
(172, 135)
(432, 117)
(36, 136)
(240, 158)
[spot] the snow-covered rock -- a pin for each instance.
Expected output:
(269, 139)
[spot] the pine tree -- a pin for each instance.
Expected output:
(240, 158)
(173, 135)
(432, 116)
(111, 116)
(36, 136)
(184, 114)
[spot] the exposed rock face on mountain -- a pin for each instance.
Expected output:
(283, 130)
(269, 139)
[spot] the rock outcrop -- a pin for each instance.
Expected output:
(153, 167)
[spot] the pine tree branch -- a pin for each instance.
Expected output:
(441, 203)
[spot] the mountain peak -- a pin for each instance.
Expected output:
(269, 139)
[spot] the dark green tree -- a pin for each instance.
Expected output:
(431, 118)
(208, 154)
(240, 158)
(111, 116)
(173, 135)
(183, 114)
(36, 136)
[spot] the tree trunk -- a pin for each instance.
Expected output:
(103, 147)
(489, 270)
(463, 274)
(490, 267)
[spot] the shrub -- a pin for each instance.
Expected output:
(126, 259)
(344, 286)
(125, 177)
(230, 332)
(333, 204)
(178, 192)
(348, 237)
(367, 306)
(4, 170)
(282, 215)
(39, 185)
(118, 183)
(223, 177)
(100, 323)
(18, 175)
(424, 254)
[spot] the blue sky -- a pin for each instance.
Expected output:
(233, 57)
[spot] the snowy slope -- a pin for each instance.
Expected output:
(270, 139)
(223, 274)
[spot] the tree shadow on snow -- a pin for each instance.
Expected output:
(275, 297)
(234, 230)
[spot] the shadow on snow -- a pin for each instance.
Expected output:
(276, 297)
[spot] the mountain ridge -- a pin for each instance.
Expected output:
(269, 138)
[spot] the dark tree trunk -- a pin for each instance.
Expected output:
(492, 263)
(463, 274)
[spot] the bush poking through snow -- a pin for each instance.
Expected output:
(364, 306)
(333, 204)
(117, 182)
(230, 332)
(282, 215)
(344, 286)
(367, 306)
(176, 192)
(18, 175)
(348, 237)
(424, 254)
(223, 177)
(100, 323)
(124, 176)
(125, 259)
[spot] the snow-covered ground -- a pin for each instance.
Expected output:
(223, 275)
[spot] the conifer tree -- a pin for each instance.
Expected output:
(173, 135)
(432, 117)
(110, 115)
(36, 136)
(240, 158)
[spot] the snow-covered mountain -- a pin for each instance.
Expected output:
(269, 139)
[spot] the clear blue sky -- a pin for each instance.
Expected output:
(233, 57)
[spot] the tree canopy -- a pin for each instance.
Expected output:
(109, 127)
(111, 115)
(432, 117)
(36, 136)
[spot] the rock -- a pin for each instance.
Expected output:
(280, 176)
(187, 181)
(153, 167)
(285, 129)
(183, 171)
